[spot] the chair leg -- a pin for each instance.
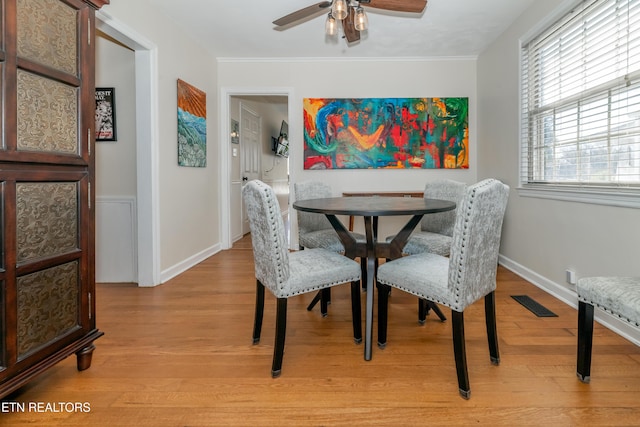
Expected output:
(383, 311)
(363, 273)
(281, 331)
(585, 341)
(492, 332)
(314, 301)
(257, 322)
(423, 310)
(356, 312)
(460, 353)
(433, 306)
(325, 298)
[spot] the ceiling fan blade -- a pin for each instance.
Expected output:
(349, 28)
(302, 13)
(412, 6)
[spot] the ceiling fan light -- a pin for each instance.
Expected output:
(331, 26)
(361, 22)
(339, 10)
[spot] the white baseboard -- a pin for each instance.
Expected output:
(569, 297)
(183, 266)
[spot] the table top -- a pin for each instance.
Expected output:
(383, 193)
(374, 206)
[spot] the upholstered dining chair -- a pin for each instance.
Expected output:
(616, 295)
(436, 231)
(467, 275)
(288, 274)
(315, 231)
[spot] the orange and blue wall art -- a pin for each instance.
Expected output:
(192, 126)
(386, 133)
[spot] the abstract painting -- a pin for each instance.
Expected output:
(386, 133)
(192, 126)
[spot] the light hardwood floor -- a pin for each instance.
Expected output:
(181, 354)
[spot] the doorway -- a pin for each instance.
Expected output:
(272, 106)
(146, 111)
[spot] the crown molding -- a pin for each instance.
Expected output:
(343, 59)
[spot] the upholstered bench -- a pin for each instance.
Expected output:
(619, 296)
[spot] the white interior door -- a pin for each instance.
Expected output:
(250, 152)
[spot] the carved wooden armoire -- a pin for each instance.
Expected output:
(47, 200)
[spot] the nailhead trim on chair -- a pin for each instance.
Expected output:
(464, 240)
(317, 288)
(274, 230)
(587, 293)
(608, 310)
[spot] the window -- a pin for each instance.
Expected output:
(581, 101)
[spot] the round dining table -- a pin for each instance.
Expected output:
(371, 208)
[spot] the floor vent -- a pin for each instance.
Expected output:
(534, 306)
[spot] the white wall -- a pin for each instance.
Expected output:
(116, 160)
(361, 79)
(189, 198)
(544, 236)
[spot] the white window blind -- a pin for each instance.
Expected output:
(581, 100)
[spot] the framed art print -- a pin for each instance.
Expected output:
(105, 114)
(192, 126)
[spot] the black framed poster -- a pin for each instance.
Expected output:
(105, 114)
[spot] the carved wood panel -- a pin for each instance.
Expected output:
(47, 306)
(47, 115)
(47, 219)
(47, 33)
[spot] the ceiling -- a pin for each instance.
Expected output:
(244, 29)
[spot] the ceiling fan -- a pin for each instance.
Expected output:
(350, 12)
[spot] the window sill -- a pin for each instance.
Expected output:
(628, 199)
